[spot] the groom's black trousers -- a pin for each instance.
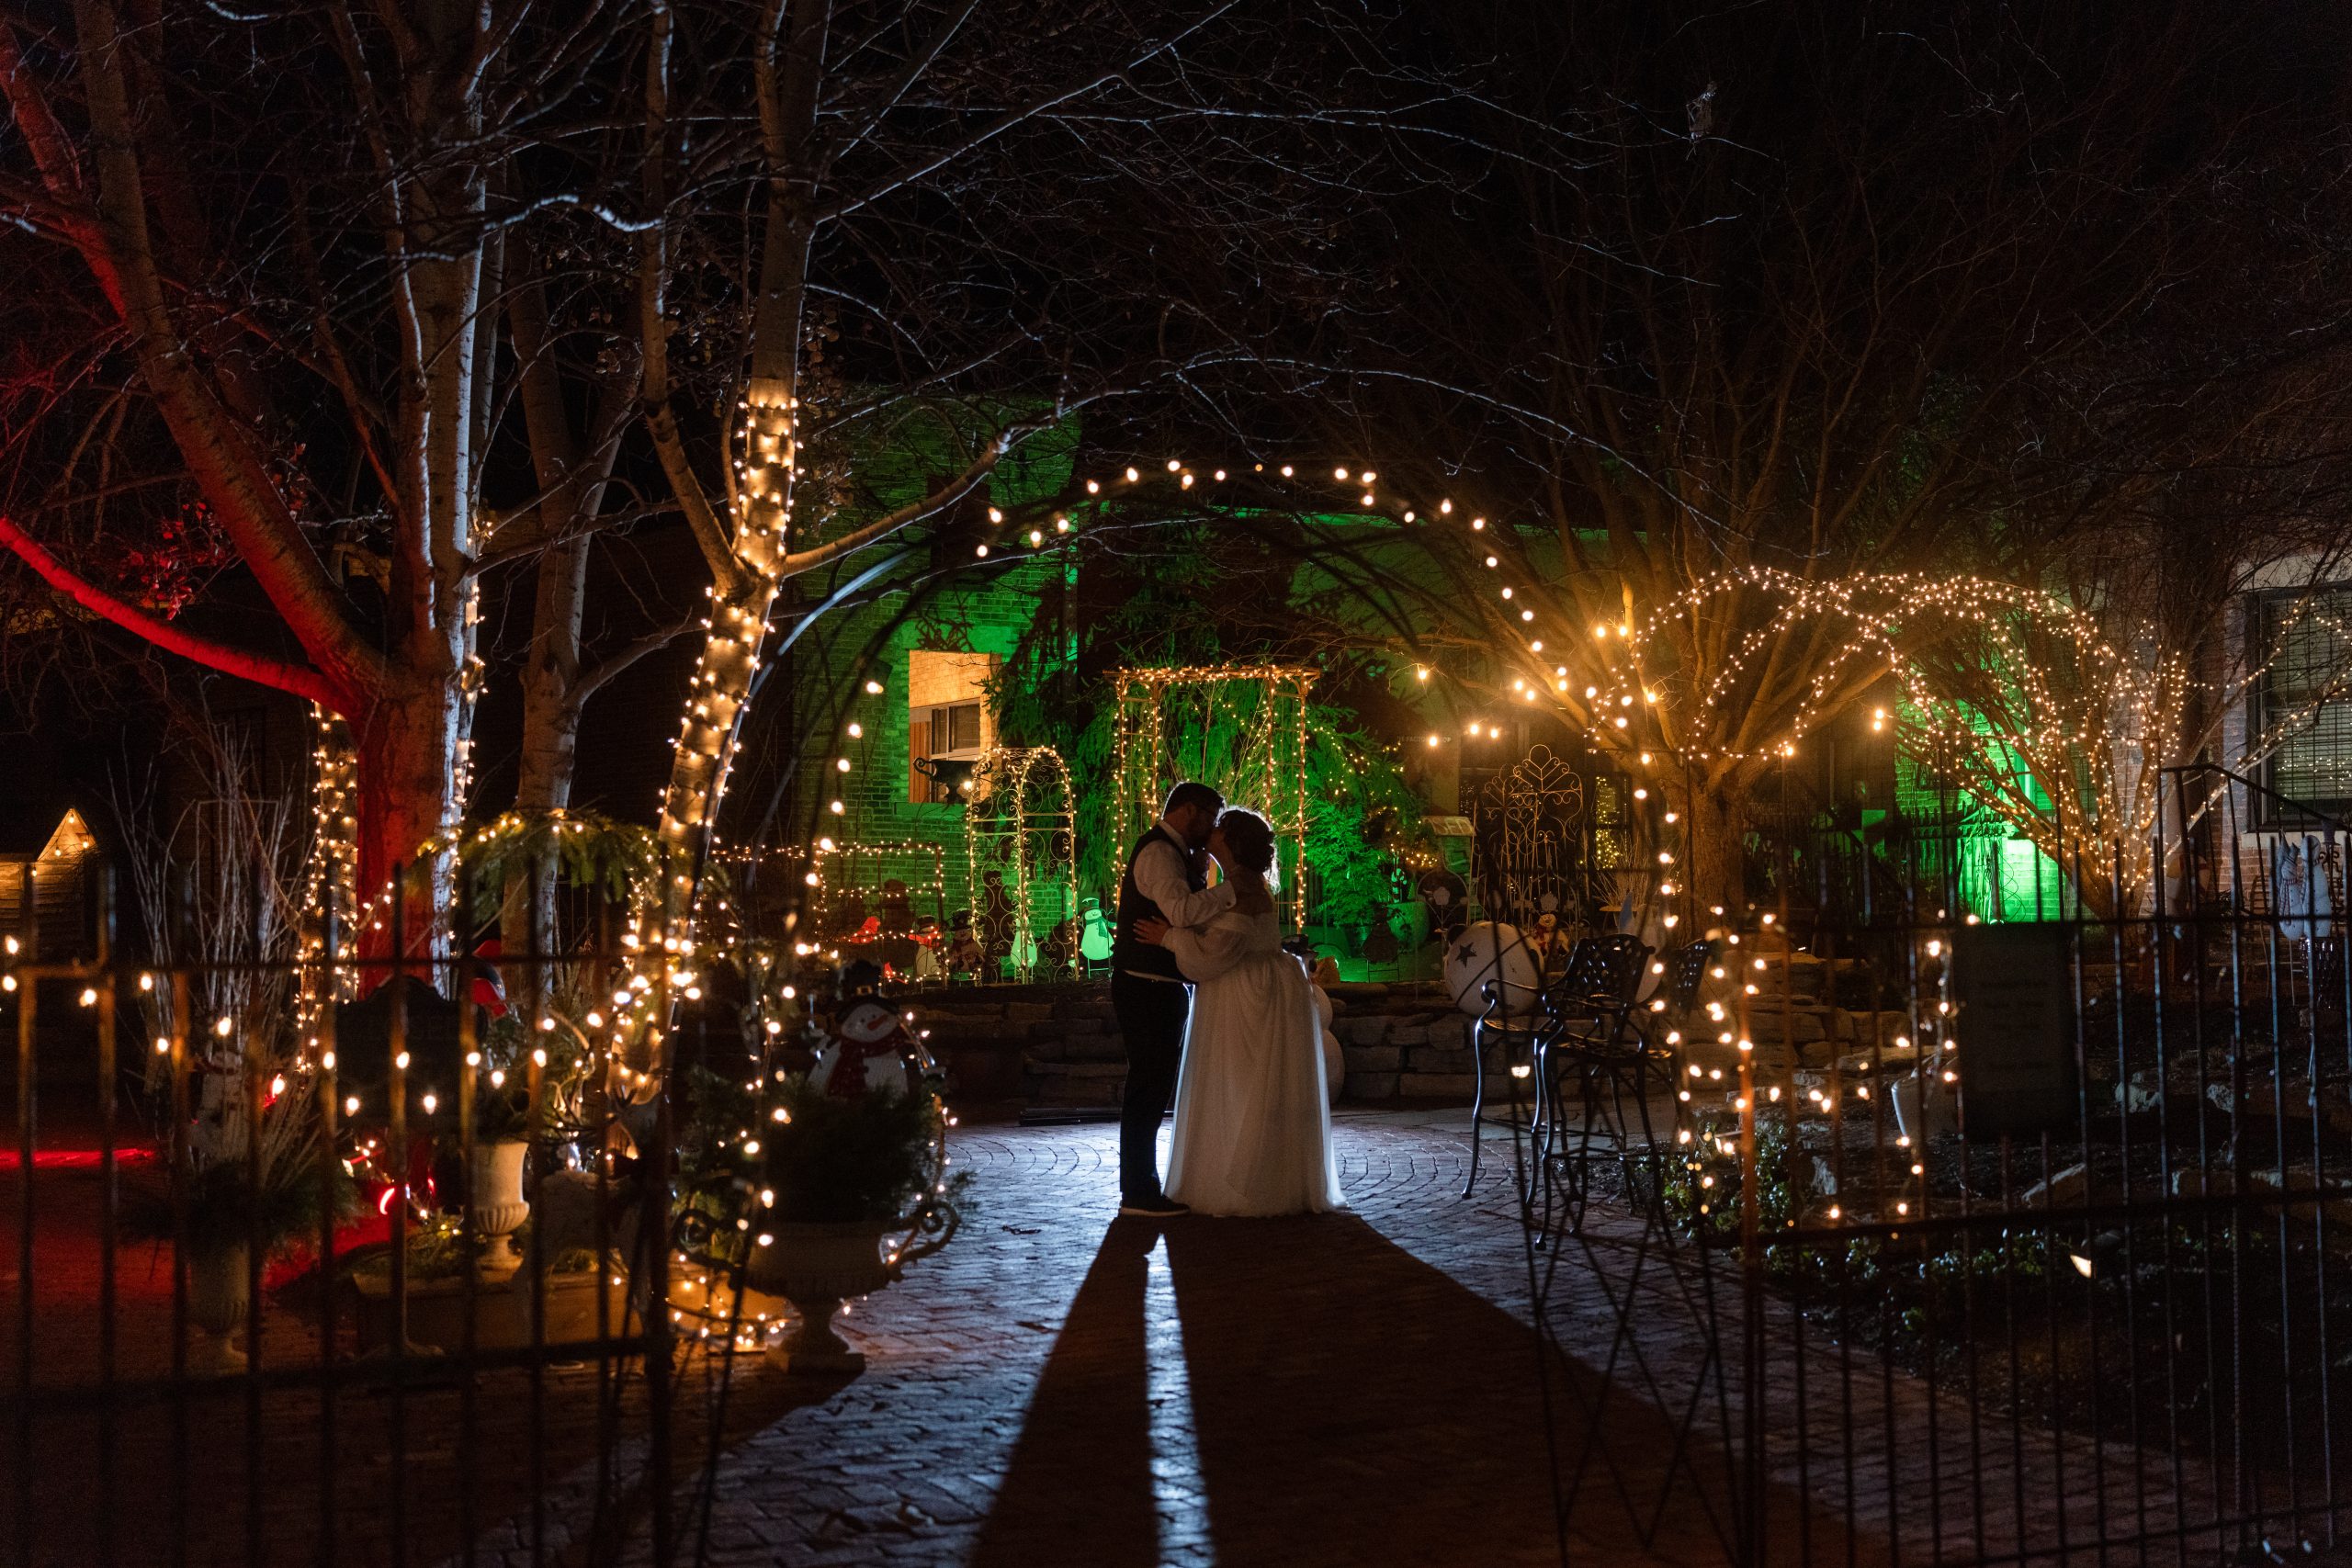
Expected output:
(1151, 1016)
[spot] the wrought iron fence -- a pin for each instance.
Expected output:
(1955, 1232)
(348, 1336)
(1991, 1232)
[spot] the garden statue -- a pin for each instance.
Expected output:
(869, 1048)
(1547, 943)
(962, 955)
(1335, 1060)
(1094, 944)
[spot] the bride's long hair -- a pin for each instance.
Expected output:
(1251, 839)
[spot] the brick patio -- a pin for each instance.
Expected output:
(1062, 1387)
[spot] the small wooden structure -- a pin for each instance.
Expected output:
(47, 899)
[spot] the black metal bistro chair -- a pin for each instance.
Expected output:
(1588, 1033)
(1668, 1013)
(1503, 1019)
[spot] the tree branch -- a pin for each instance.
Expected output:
(217, 452)
(1013, 118)
(653, 322)
(913, 513)
(301, 681)
(591, 680)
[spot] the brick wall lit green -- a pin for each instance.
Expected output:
(987, 618)
(2003, 876)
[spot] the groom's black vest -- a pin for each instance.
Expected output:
(1127, 955)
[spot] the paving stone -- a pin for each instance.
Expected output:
(1060, 1386)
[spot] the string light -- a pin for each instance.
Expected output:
(1140, 765)
(1011, 774)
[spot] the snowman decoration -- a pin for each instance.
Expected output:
(870, 1047)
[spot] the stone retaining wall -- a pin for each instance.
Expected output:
(1060, 1044)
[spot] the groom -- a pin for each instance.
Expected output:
(1166, 879)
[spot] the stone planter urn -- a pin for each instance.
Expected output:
(497, 1206)
(218, 1302)
(1923, 1108)
(816, 1266)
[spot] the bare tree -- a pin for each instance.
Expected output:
(391, 300)
(1733, 320)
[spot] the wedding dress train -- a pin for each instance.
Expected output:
(1253, 1118)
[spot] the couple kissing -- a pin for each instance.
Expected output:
(1216, 1012)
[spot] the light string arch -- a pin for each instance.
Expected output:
(1000, 812)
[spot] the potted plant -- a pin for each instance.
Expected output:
(848, 1174)
(815, 1196)
(231, 1201)
(495, 1196)
(464, 1277)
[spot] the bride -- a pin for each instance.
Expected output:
(1253, 1121)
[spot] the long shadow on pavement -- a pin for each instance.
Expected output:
(1349, 1404)
(1079, 1486)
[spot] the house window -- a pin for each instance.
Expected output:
(948, 723)
(2307, 697)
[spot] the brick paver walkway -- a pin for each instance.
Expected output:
(1063, 1387)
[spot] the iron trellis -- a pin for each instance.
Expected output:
(1540, 846)
(1238, 728)
(1021, 826)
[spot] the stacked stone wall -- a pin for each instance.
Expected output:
(1059, 1046)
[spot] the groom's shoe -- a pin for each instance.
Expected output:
(1156, 1207)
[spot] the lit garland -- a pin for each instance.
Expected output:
(1141, 768)
(1018, 769)
(847, 854)
(761, 492)
(330, 878)
(331, 881)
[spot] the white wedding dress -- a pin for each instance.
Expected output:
(1253, 1118)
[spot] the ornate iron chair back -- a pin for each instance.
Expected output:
(1589, 1004)
(1685, 972)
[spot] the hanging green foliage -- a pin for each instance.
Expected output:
(1361, 811)
(589, 852)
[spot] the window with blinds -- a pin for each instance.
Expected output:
(947, 721)
(2307, 693)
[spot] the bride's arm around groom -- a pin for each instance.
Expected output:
(1163, 876)
(1203, 953)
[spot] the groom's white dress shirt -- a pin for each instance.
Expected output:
(1160, 876)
